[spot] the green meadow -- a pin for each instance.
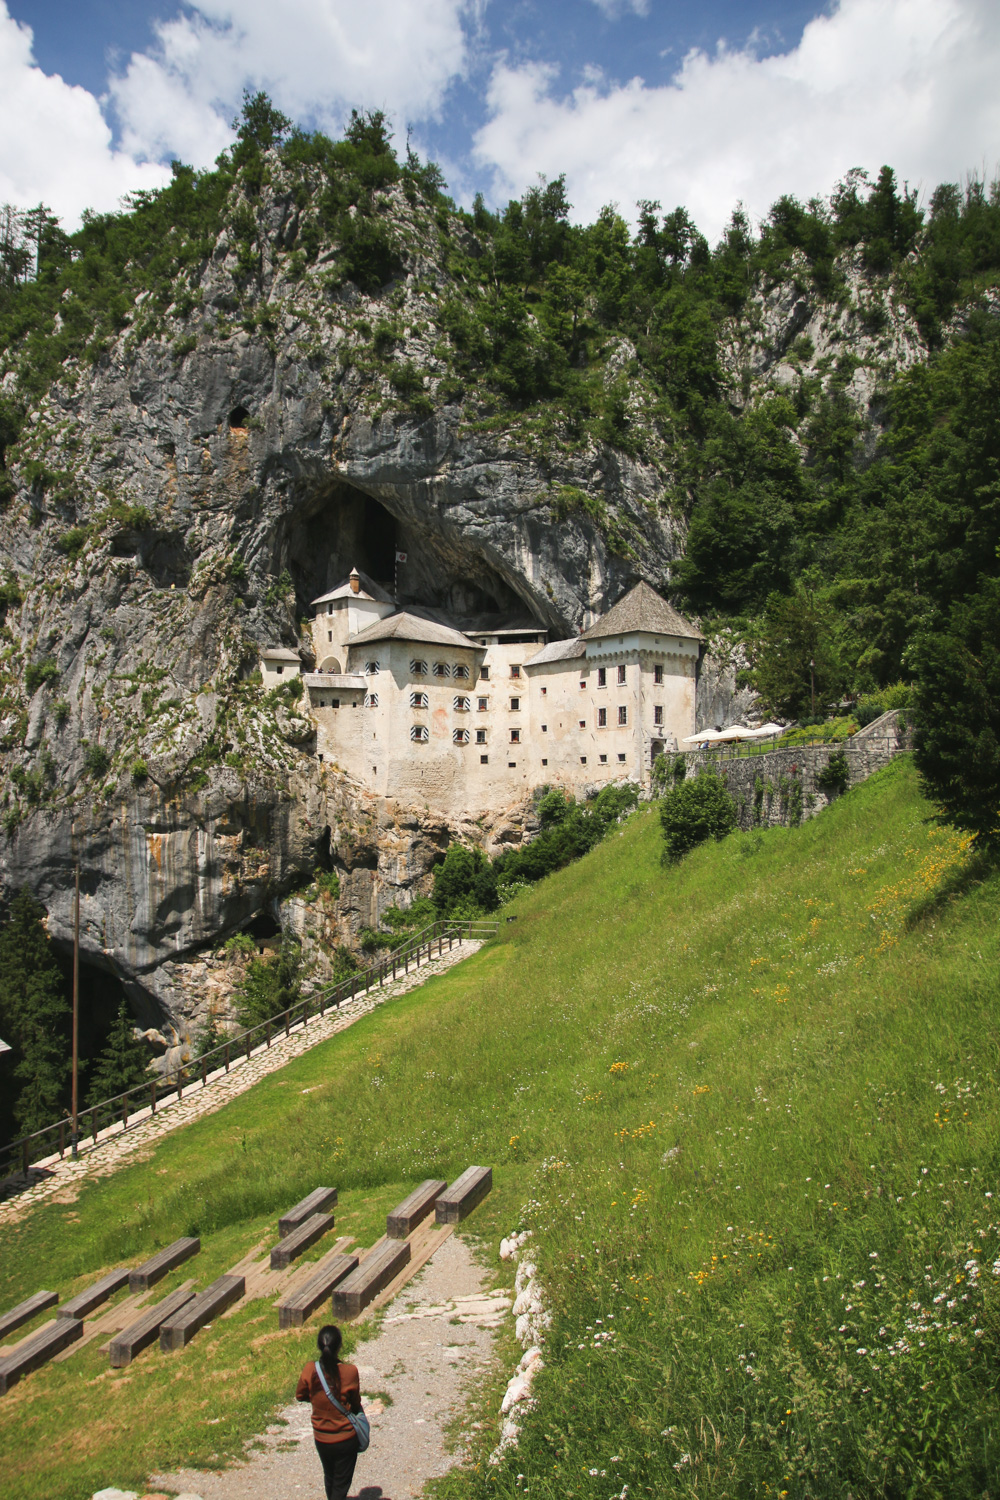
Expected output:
(748, 1106)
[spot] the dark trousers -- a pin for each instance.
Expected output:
(338, 1460)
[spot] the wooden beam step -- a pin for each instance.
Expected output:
(318, 1202)
(292, 1246)
(463, 1195)
(25, 1311)
(92, 1296)
(133, 1339)
(141, 1279)
(407, 1215)
(180, 1328)
(384, 1260)
(296, 1306)
(38, 1350)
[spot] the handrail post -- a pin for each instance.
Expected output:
(62, 1138)
(227, 1057)
(152, 1096)
(24, 1156)
(268, 1033)
(93, 1124)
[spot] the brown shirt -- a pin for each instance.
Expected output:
(330, 1425)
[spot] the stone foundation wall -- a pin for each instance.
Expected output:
(780, 787)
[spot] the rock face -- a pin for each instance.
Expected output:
(177, 505)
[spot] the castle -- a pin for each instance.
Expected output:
(469, 720)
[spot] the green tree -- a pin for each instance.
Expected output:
(269, 985)
(33, 1014)
(695, 810)
(797, 667)
(122, 1063)
(464, 883)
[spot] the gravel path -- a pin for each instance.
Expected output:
(435, 1337)
(66, 1177)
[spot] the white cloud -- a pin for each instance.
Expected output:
(614, 8)
(908, 82)
(55, 145)
(314, 57)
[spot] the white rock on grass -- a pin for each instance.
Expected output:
(113, 1494)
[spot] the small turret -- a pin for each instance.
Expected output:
(355, 581)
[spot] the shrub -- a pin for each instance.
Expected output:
(139, 769)
(695, 811)
(39, 672)
(96, 760)
(269, 985)
(835, 775)
(465, 878)
(60, 712)
(328, 882)
(240, 945)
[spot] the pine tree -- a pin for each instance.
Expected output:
(33, 1013)
(121, 1065)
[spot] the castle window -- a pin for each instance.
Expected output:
(461, 703)
(515, 736)
(482, 704)
(515, 704)
(419, 733)
(544, 762)
(658, 714)
(418, 668)
(603, 759)
(544, 692)
(460, 736)
(334, 702)
(371, 700)
(621, 675)
(371, 668)
(329, 608)
(545, 729)
(623, 715)
(583, 760)
(602, 677)
(418, 700)
(658, 671)
(515, 670)
(329, 635)
(602, 718)
(480, 736)
(279, 668)
(442, 669)
(621, 758)
(583, 723)
(484, 760)
(484, 674)
(460, 670)
(582, 683)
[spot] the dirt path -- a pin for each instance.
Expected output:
(64, 1178)
(434, 1338)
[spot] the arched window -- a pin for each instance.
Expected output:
(419, 733)
(460, 736)
(418, 700)
(462, 703)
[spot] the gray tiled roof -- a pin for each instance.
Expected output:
(280, 653)
(407, 627)
(558, 651)
(642, 609)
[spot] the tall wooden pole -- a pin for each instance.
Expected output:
(75, 1131)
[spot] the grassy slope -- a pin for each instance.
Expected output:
(708, 1090)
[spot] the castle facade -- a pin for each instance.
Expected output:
(465, 721)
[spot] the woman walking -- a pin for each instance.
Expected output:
(330, 1386)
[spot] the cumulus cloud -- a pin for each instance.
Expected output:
(909, 82)
(615, 8)
(314, 57)
(55, 145)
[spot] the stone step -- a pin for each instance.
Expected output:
(384, 1261)
(407, 1215)
(38, 1350)
(292, 1246)
(25, 1311)
(92, 1296)
(146, 1275)
(463, 1195)
(180, 1328)
(133, 1339)
(318, 1201)
(296, 1306)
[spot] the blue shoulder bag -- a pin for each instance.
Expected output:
(362, 1431)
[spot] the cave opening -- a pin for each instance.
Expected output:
(342, 528)
(238, 418)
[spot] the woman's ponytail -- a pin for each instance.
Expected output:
(328, 1341)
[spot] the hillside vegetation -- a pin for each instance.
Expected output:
(748, 1105)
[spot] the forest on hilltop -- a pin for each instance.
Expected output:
(844, 550)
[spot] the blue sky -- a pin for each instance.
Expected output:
(700, 104)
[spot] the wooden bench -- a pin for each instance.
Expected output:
(292, 1246)
(384, 1261)
(132, 1340)
(407, 1215)
(180, 1328)
(85, 1302)
(463, 1195)
(318, 1202)
(38, 1350)
(296, 1306)
(25, 1311)
(145, 1276)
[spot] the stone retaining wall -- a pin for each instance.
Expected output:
(780, 788)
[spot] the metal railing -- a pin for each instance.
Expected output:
(55, 1139)
(750, 749)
